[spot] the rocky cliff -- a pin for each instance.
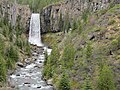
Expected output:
(13, 11)
(53, 16)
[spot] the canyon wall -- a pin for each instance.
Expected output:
(54, 16)
(15, 12)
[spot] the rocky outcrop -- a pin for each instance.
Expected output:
(12, 11)
(50, 18)
(53, 17)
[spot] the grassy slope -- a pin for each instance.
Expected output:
(13, 47)
(96, 42)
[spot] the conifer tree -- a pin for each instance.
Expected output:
(68, 56)
(2, 69)
(87, 85)
(74, 25)
(64, 83)
(88, 51)
(105, 80)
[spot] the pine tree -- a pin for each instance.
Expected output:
(88, 51)
(79, 27)
(74, 25)
(105, 80)
(2, 69)
(87, 85)
(51, 63)
(68, 56)
(64, 83)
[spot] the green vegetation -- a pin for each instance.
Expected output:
(87, 85)
(67, 58)
(11, 57)
(2, 69)
(13, 45)
(90, 50)
(105, 80)
(51, 63)
(64, 83)
(74, 25)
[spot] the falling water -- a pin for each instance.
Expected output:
(34, 33)
(28, 76)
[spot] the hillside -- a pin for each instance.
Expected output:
(14, 46)
(89, 52)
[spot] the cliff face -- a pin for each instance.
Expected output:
(51, 16)
(12, 11)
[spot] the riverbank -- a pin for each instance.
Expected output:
(29, 75)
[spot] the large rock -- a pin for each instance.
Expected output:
(50, 82)
(20, 64)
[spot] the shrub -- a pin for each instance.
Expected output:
(11, 56)
(68, 56)
(79, 27)
(64, 83)
(2, 69)
(48, 72)
(114, 45)
(51, 63)
(54, 57)
(5, 30)
(1, 46)
(85, 15)
(74, 25)
(88, 51)
(105, 79)
(111, 22)
(87, 85)
(19, 43)
(27, 48)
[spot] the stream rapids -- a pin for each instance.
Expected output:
(29, 77)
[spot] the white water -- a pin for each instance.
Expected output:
(34, 33)
(29, 77)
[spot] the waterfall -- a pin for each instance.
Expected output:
(34, 32)
(29, 75)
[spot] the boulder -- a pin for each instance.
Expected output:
(20, 64)
(49, 82)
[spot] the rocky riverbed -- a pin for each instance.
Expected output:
(28, 76)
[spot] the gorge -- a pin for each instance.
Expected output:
(84, 37)
(29, 76)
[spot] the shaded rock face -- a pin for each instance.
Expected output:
(50, 19)
(12, 11)
(45, 19)
(50, 16)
